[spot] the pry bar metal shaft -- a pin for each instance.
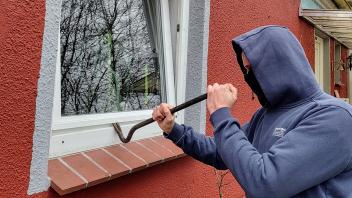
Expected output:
(150, 120)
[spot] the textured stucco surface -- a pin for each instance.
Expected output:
(21, 30)
(182, 178)
(44, 103)
(198, 32)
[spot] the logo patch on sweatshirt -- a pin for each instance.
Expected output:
(279, 132)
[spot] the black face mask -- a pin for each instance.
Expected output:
(251, 80)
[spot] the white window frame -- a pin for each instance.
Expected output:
(71, 134)
(319, 68)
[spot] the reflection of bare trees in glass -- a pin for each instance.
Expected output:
(108, 62)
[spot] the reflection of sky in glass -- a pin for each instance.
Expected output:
(108, 62)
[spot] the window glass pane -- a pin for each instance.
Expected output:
(110, 56)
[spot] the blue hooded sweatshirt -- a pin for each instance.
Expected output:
(299, 146)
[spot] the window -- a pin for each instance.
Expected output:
(322, 60)
(319, 61)
(114, 65)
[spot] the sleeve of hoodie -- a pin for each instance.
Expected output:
(197, 145)
(316, 150)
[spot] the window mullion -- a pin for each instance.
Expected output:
(169, 74)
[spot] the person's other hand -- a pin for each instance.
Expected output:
(164, 118)
(220, 96)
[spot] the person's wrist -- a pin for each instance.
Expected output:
(176, 133)
(220, 115)
(218, 107)
(169, 129)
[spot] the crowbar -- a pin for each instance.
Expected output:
(184, 105)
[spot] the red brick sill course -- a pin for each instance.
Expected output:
(85, 169)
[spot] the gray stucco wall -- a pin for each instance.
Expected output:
(197, 62)
(39, 181)
(196, 84)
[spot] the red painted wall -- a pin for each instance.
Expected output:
(343, 88)
(22, 24)
(21, 30)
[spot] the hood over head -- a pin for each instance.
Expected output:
(279, 64)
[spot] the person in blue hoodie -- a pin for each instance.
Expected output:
(298, 144)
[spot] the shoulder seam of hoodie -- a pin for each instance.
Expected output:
(337, 107)
(333, 105)
(324, 106)
(349, 164)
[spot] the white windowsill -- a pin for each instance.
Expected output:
(99, 119)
